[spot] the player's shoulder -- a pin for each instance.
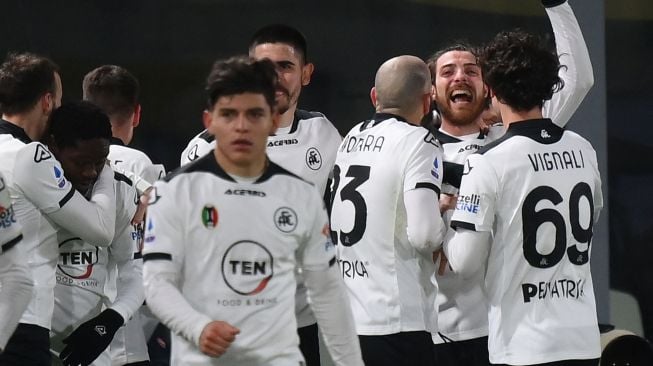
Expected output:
(34, 153)
(542, 131)
(129, 153)
(203, 137)
(304, 115)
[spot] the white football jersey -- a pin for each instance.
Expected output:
(307, 150)
(538, 190)
(39, 187)
(234, 248)
(132, 160)
(82, 270)
(129, 344)
(10, 232)
(461, 301)
(387, 279)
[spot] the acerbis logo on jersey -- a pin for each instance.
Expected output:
(244, 192)
(283, 142)
(472, 147)
(209, 217)
(469, 203)
(192, 154)
(247, 267)
(76, 259)
(41, 154)
(58, 175)
(313, 158)
(285, 219)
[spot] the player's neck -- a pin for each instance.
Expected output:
(510, 115)
(288, 117)
(30, 122)
(460, 130)
(252, 169)
(123, 132)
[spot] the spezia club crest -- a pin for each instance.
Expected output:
(209, 216)
(285, 219)
(313, 158)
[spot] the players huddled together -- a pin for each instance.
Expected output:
(451, 227)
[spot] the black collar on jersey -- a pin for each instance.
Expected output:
(116, 141)
(542, 130)
(299, 115)
(446, 138)
(16, 131)
(378, 118)
(209, 164)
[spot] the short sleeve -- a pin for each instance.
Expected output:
(163, 235)
(423, 164)
(477, 197)
(317, 252)
(41, 178)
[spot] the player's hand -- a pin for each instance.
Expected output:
(447, 202)
(444, 262)
(141, 209)
(90, 339)
(216, 337)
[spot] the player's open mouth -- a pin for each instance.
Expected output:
(461, 96)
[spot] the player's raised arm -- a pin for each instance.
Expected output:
(577, 73)
(41, 178)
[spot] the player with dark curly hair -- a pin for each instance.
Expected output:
(526, 207)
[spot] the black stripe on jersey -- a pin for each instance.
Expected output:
(206, 136)
(206, 163)
(156, 256)
(430, 186)
(445, 138)
(332, 261)
(8, 128)
(300, 115)
(379, 118)
(453, 173)
(273, 169)
(10, 244)
(461, 224)
(138, 255)
(67, 197)
(542, 130)
(116, 141)
(122, 178)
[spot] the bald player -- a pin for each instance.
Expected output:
(385, 217)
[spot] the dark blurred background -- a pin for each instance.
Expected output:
(170, 45)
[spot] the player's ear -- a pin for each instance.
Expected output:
(373, 96)
(47, 103)
(136, 119)
(206, 118)
(307, 72)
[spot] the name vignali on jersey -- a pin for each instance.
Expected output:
(370, 228)
(546, 216)
(253, 270)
